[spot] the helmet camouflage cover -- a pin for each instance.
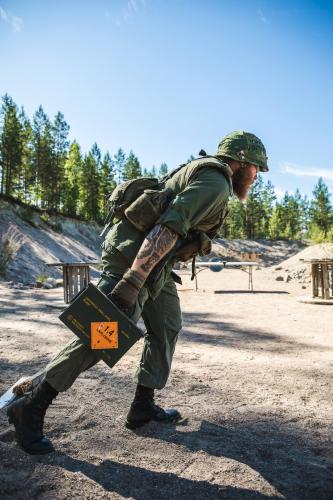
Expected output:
(244, 147)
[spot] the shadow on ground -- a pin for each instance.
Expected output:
(286, 458)
(283, 459)
(232, 336)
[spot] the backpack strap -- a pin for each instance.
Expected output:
(205, 161)
(213, 161)
(108, 222)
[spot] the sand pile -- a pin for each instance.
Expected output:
(296, 267)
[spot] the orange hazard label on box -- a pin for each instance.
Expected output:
(104, 335)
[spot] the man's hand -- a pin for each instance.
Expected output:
(127, 290)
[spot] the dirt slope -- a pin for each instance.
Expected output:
(77, 241)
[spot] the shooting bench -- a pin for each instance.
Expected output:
(76, 276)
(247, 267)
(322, 277)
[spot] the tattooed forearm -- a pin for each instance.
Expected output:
(158, 243)
(151, 239)
(150, 263)
(159, 240)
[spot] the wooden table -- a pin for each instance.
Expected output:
(76, 276)
(233, 265)
(322, 277)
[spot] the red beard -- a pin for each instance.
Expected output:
(242, 182)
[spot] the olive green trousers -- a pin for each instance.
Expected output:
(162, 318)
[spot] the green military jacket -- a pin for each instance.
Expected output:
(201, 191)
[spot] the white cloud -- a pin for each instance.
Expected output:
(262, 17)
(3, 15)
(131, 8)
(303, 171)
(15, 22)
(132, 4)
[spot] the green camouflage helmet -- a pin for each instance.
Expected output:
(245, 148)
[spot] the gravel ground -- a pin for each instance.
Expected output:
(252, 377)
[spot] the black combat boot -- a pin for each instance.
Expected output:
(143, 409)
(27, 414)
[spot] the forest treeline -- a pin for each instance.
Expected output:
(41, 167)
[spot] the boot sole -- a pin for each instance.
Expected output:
(137, 424)
(45, 452)
(140, 423)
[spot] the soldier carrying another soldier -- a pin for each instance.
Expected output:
(137, 276)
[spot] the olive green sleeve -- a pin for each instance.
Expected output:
(206, 193)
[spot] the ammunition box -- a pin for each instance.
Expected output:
(101, 325)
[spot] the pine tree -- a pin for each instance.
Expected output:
(10, 147)
(254, 211)
(294, 212)
(42, 157)
(107, 184)
(153, 172)
(275, 229)
(163, 170)
(132, 167)
(268, 198)
(89, 189)
(234, 225)
(97, 155)
(304, 214)
(27, 177)
(60, 144)
(72, 174)
(119, 163)
(321, 208)
(149, 173)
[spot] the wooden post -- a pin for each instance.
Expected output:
(326, 288)
(250, 279)
(322, 278)
(314, 279)
(82, 276)
(75, 280)
(65, 280)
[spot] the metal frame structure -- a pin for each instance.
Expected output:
(226, 264)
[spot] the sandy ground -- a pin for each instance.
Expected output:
(252, 376)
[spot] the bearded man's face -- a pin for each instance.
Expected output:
(242, 181)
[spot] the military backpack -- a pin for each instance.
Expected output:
(143, 200)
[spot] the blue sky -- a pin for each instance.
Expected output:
(169, 77)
